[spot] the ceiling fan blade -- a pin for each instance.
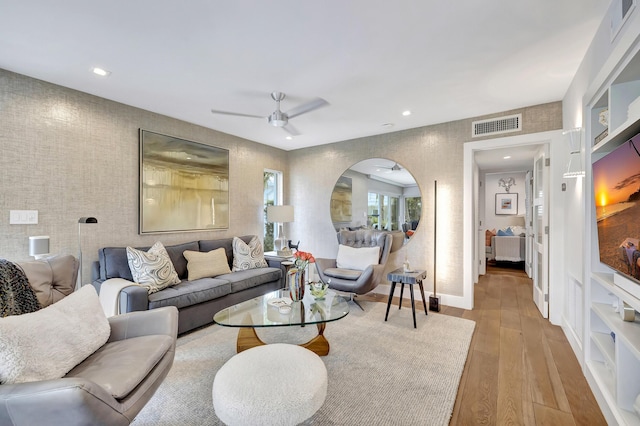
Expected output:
(309, 106)
(291, 130)
(215, 111)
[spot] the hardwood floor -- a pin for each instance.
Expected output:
(520, 369)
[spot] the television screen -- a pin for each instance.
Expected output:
(616, 193)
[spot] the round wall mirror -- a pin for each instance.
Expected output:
(377, 194)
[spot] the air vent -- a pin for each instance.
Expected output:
(496, 126)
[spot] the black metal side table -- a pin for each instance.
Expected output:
(410, 278)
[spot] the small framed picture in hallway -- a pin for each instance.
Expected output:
(506, 203)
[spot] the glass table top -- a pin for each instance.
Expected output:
(264, 311)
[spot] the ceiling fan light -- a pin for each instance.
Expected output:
(278, 119)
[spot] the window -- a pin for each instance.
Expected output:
(412, 209)
(272, 197)
(383, 211)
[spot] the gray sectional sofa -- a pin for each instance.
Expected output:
(198, 300)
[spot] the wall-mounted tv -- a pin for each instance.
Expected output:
(616, 193)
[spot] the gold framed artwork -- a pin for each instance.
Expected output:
(184, 185)
(341, 200)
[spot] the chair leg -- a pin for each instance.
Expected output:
(353, 299)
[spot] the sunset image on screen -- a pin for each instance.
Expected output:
(616, 194)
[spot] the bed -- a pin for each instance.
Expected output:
(506, 248)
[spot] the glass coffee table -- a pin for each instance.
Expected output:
(268, 311)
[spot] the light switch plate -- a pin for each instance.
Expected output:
(23, 217)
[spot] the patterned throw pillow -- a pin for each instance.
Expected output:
(248, 256)
(152, 269)
(211, 264)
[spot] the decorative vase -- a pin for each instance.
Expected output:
(296, 284)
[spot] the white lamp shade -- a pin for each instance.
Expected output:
(38, 245)
(279, 214)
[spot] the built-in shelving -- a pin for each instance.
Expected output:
(613, 349)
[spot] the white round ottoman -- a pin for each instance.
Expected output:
(275, 384)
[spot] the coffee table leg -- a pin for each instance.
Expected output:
(393, 288)
(319, 344)
(413, 306)
(248, 338)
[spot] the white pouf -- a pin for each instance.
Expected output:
(275, 384)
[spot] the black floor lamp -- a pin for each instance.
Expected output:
(80, 222)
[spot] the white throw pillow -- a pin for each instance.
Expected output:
(152, 269)
(210, 264)
(248, 256)
(357, 258)
(48, 343)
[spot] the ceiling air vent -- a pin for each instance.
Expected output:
(496, 126)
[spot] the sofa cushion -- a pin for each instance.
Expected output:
(357, 258)
(52, 278)
(248, 256)
(241, 280)
(152, 269)
(189, 293)
(210, 264)
(346, 274)
(120, 366)
(114, 262)
(47, 344)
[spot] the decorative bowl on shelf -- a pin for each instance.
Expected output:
(318, 289)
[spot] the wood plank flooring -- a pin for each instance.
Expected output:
(520, 369)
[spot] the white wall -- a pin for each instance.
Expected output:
(491, 188)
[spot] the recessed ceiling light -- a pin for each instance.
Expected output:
(101, 72)
(387, 125)
(289, 138)
(406, 113)
(506, 157)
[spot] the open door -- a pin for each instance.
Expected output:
(541, 231)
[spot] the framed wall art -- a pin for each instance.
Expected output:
(184, 185)
(507, 203)
(341, 200)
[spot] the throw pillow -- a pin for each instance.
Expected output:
(487, 235)
(210, 264)
(152, 269)
(47, 344)
(248, 256)
(357, 258)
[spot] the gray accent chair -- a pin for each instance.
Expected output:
(352, 281)
(108, 388)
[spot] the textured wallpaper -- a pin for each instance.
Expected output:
(68, 154)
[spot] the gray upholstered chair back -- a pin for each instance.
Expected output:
(367, 238)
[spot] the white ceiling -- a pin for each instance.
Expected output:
(370, 60)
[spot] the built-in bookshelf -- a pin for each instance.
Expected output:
(613, 347)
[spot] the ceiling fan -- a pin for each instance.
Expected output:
(394, 168)
(281, 119)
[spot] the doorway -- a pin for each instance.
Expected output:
(472, 253)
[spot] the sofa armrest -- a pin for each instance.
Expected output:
(84, 402)
(135, 324)
(134, 298)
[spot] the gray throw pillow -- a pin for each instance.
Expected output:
(248, 256)
(152, 269)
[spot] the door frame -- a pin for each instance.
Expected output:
(558, 155)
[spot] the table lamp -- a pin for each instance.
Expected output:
(280, 214)
(39, 246)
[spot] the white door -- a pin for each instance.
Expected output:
(541, 232)
(528, 219)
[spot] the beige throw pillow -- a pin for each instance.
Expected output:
(210, 264)
(248, 256)
(152, 269)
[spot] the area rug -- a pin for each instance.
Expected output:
(379, 373)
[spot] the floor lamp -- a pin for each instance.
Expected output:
(80, 222)
(434, 300)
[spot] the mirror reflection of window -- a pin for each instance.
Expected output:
(377, 194)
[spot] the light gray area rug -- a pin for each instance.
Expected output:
(379, 373)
